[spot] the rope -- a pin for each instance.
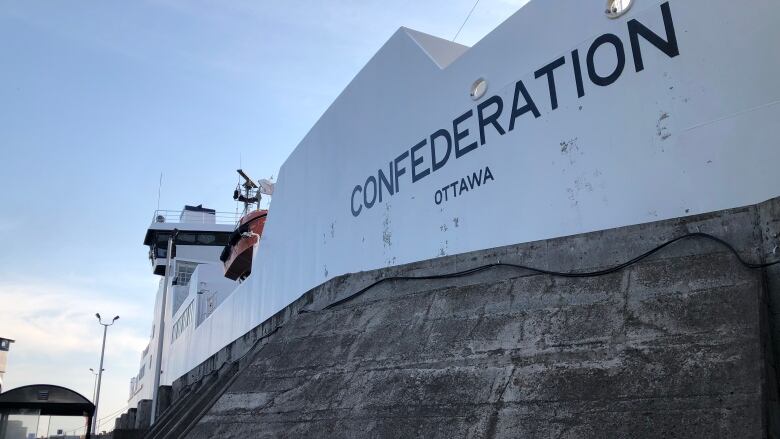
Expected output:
(465, 21)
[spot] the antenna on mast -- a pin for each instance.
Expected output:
(250, 196)
(159, 191)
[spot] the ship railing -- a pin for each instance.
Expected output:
(195, 217)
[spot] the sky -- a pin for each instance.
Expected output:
(98, 99)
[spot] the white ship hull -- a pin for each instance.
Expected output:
(688, 128)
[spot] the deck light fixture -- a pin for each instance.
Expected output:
(478, 89)
(616, 8)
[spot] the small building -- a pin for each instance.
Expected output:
(5, 345)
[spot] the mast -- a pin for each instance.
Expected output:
(250, 196)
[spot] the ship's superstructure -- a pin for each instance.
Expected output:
(201, 256)
(196, 284)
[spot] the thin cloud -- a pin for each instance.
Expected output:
(58, 338)
(53, 318)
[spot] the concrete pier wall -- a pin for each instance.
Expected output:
(678, 344)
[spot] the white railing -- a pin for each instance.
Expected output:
(195, 217)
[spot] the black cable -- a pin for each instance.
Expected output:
(597, 273)
(102, 420)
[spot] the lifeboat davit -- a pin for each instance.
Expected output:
(237, 255)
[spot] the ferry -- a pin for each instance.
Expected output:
(571, 116)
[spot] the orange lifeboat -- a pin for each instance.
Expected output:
(237, 255)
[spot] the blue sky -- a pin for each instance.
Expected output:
(98, 98)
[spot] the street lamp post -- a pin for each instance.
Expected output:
(94, 386)
(100, 370)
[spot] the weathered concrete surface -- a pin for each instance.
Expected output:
(678, 345)
(143, 415)
(185, 412)
(163, 400)
(769, 226)
(130, 420)
(126, 434)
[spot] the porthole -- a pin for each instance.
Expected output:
(478, 89)
(616, 8)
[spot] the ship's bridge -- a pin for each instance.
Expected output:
(202, 231)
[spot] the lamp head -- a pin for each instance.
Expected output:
(115, 318)
(97, 314)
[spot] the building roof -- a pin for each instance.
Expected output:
(49, 399)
